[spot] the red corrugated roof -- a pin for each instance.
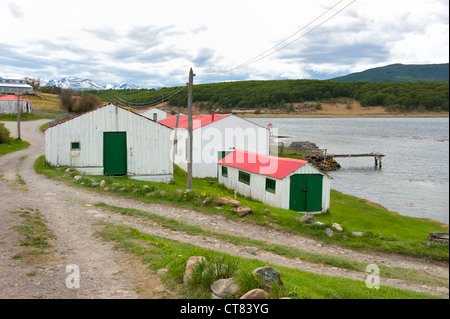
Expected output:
(197, 121)
(273, 166)
(11, 98)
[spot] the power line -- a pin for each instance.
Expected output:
(274, 49)
(150, 103)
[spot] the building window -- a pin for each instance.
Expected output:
(155, 117)
(244, 177)
(224, 171)
(270, 185)
(74, 146)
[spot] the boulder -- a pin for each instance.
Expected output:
(307, 218)
(77, 178)
(102, 183)
(225, 288)
(441, 238)
(337, 227)
(256, 294)
(243, 210)
(329, 232)
(358, 233)
(227, 201)
(204, 201)
(269, 276)
(191, 263)
(252, 250)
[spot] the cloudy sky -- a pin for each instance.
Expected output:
(155, 43)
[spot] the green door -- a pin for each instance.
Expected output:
(115, 153)
(306, 193)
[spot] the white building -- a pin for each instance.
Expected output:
(279, 182)
(214, 136)
(111, 140)
(8, 105)
(11, 86)
(154, 114)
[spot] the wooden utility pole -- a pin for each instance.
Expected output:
(190, 136)
(18, 116)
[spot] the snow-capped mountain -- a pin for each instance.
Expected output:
(121, 86)
(75, 84)
(86, 84)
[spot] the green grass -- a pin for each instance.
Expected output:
(35, 234)
(161, 253)
(390, 272)
(23, 117)
(13, 146)
(384, 230)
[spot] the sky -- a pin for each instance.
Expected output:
(155, 43)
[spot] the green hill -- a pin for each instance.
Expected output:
(400, 73)
(281, 93)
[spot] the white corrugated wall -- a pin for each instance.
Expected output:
(226, 134)
(148, 143)
(10, 107)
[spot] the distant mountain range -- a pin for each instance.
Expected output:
(80, 84)
(400, 73)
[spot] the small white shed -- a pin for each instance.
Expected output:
(214, 136)
(154, 114)
(279, 182)
(8, 105)
(112, 140)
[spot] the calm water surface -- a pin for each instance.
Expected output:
(414, 179)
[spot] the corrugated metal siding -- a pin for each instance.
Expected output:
(214, 137)
(10, 107)
(148, 143)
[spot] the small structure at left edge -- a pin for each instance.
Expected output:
(111, 140)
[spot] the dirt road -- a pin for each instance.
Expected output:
(107, 273)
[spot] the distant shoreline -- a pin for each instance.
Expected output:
(287, 115)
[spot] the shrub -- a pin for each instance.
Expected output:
(4, 134)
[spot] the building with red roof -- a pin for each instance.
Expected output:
(8, 105)
(280, 182)
(214, 136)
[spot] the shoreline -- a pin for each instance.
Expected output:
(336, 115)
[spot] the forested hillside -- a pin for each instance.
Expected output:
(401, 73)
(281, 93)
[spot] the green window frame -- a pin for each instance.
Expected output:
(244, 177)
(224, 171)
(271, 185)
(75, 145)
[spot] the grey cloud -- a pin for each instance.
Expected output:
(204, 56)
(15, 10)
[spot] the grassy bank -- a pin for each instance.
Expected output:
(289, 252)
(161, 253)
(383, 230)
(13, 146)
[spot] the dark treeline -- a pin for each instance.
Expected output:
(277, 93)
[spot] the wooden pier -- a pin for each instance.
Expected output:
(377, 157)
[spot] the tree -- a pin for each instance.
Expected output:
(67, 100)
(35, 83)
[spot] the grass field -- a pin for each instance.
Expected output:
(161, 253)
(13, 146)
(383, 230)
